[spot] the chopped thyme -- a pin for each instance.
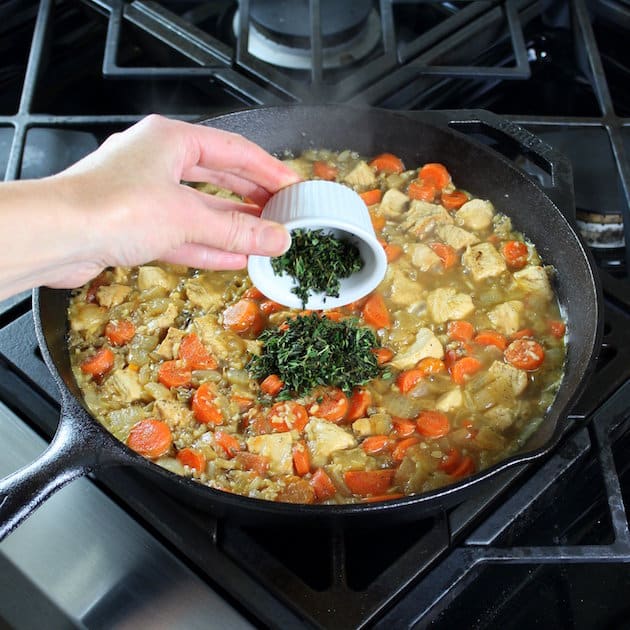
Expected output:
(317, 261)
(312, 350)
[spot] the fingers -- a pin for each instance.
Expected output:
(228, 229)
(204, 257)
(236, 184)
(216, 149)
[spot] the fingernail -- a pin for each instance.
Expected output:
(274, 240)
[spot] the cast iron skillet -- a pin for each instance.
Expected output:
(81, 445)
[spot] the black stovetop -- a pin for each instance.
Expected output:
(545, 543)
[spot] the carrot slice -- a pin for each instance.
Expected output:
(322, 485)
(244, 317)
(323, 170)
(403, 427)
(174, 374)
(450, 461)
(408, 379)
(358, 405)
(301, 458)
(460, 330)
(375, 312)
(364, 482)
(515, 254)
(383, 355)
(378, 221)
(398, 454)
(431, 365)
(453, 200)
(101, 362)
(242, 402)
(267, 307)
(464, 468)
(393, 251)
(203, 406)
(525, 354)
(375, 444)
(253, 293)
(192, 458)
(150, 438)
(557, 328)
(387, 163)
(228, 443)
(371, 197)
(287, 415)
(422, 189)
(195, 355)
(435, 173)
(524, 332)
(466, 366)
(447, 254)
(491, 338)
(120, 332)
(272, 385)
(252, 461)
(332, 405)
(433, 424)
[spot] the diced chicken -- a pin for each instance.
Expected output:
(361, 175)
(149, 277)
(500, 417)
(112, 294)
(422, 217)
(164, 320)
(222, 343)
(456, 237)
(175, 413)
(506, 317)
(169, 348)
(475, 214)
(199, 294)
(124, 385)
(324, 438)
(88, 317)
(483, 261)
(277, 448)
(423, 257)
(157, 391)
(425, 345)
(120, 275)
(450, 400)
(517, 378)
(446, 303)
(534, 279)
(403, 290)
(393, 203)
(376, 424)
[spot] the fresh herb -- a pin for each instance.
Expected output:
(317, 261)
(311, 350)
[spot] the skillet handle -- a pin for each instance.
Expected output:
(558, 180)
(71, 454)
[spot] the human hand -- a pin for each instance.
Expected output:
(134, 208)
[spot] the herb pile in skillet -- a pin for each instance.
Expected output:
(311, 350)
(318, 261)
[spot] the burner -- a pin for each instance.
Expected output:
(280, 32)
(601, 231)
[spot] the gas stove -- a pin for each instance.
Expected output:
(546, 543)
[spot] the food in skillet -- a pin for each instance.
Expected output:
(445, 369)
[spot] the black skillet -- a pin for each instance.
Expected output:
(81, 445)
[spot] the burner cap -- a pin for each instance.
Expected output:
(288, 22)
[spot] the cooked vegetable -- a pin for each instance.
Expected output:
(317, 261)
(443, 370)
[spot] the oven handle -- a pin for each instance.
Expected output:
(76, 449)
